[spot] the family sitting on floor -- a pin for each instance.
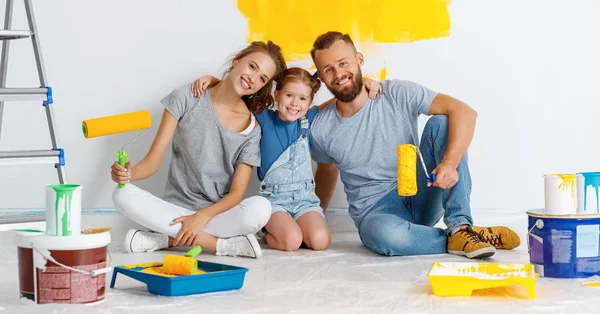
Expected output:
(221, 129)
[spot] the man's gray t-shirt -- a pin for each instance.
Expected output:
(363, 146)
(204, 152)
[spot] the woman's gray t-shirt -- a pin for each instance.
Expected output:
(204, 152)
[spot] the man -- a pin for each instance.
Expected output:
(357, 137)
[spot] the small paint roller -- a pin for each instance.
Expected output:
(407, 169)
(182, 265)
(120, 123)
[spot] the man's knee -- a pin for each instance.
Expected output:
(386, 239)
(436, 123)
(389, 247)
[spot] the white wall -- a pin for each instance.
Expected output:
(530, 68)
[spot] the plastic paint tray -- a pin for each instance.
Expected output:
(460, 279)
(217, 277)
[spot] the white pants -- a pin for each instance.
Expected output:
(156, 214)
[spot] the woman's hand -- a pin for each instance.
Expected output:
(373, 87)
(119, 174)
(191, 226)
(202, 83)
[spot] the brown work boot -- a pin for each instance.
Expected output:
(467, 242)
(499, 237)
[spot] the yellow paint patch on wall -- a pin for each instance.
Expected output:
(383, 74)
(295, 24)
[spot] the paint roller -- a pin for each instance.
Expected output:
(182, 265)
(407, 169)
(120, 123)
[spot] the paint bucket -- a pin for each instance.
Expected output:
(559, 194)
(564, 246)
(62, 269)
(63, 210)
(588, 184)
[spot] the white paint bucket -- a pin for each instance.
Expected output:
(62, 269)
(559, 194)
(63, 210)
(588, 188)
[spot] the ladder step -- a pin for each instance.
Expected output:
(24, 94)
(28, 161)
(45, 156)
(29, 157)
(30, 153)
(13, 34)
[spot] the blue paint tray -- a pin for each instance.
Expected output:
(217, 277)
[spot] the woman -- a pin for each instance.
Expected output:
(215, 146)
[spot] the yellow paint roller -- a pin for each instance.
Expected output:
(407, 169)
(179, 265)
(182, 265)
(115, 124)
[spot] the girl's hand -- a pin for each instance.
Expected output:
(191, 226)
(119, 174)
(202, 84)
(373, 87)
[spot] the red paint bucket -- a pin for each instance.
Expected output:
(54, 269)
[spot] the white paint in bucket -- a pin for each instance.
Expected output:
(560, 194)
(588, 193)
(63, 210)
(63, 269)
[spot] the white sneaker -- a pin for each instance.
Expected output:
(242, 246)
(145, 241)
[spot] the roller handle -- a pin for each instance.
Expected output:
(431, 177)
(122, 161)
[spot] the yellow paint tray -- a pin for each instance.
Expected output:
(461, 278)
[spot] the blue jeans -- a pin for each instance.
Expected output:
(399, 225)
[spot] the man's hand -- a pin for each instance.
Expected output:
(446, 176)
(191, 226)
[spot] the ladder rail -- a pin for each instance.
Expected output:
(36, 43)
(43, 83)
(4, 60)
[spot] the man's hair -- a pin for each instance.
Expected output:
(326, 40)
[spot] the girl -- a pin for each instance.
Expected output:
(215, 145)
(286, 168)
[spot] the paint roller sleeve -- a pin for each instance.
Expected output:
(180, 265)
(120, 123)
(407, 170)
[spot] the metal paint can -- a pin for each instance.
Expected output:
(564, 246)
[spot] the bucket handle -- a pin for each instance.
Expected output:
(538, 224)
(46, 254)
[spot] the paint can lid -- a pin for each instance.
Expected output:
(74, 242)
(562, 175)
(540, 213)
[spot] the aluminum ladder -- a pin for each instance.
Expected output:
(43, 93)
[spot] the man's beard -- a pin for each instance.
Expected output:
(349, 94)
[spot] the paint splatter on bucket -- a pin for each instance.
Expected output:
(63, 210)
(62, 269)
(564, 246)
(588, 184)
